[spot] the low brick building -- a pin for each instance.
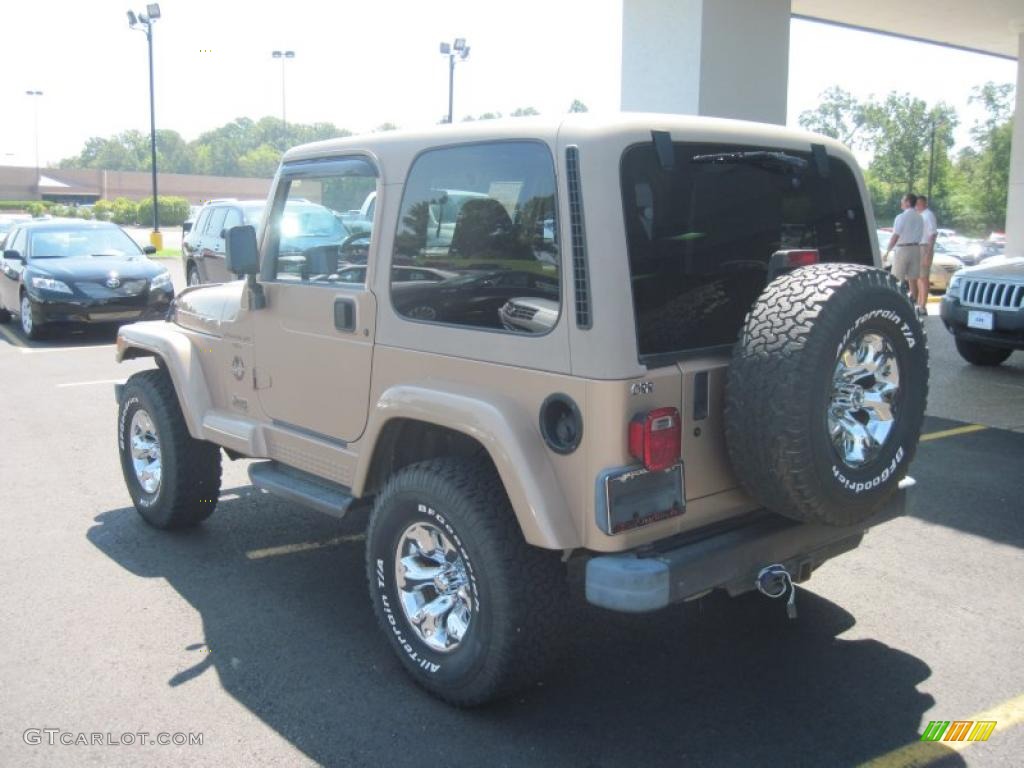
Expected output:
(88, 185)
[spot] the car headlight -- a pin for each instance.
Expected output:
(953, 289)
(163, 280)
(49, 284)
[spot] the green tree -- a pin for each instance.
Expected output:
(578, 106)
(985, 168)
(524, 112)
(260, 162)
(839, 115)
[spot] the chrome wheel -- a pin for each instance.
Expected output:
(145, 448)
(433, 587)
(862, 410)
(26, 315)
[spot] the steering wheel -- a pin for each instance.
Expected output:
(348, 243)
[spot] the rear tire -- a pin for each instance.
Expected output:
(491, 626)
(826, 392)
(173, 479)
(976, 353)
(192, 276)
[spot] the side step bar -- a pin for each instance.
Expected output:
(300, 487)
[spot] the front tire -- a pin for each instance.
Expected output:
(467, 605)
(29, 326)
(173, 479)
(976, 353)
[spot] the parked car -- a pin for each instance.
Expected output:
(984, 310)
(980, 250)
(66, 271)
(678, 423)
(315, 237)
(944, 263)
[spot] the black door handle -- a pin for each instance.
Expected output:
(345, 314)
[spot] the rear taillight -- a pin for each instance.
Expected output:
(791, 259)
(655, 438)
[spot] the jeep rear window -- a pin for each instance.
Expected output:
(701, 235)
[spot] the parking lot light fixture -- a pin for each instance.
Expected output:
(35, 123)
(456, 49)
(144, 23)
(283, 56)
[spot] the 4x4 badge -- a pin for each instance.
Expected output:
(237, 368)
(641, 388)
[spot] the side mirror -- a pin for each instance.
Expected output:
(241, 255)
(14, 256)
(149, 250)
(186, 227)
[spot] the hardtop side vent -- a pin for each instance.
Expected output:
(580, 276)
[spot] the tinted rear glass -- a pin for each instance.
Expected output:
(701, 236)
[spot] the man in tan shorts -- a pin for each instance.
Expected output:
(931, 231)
(907, 234)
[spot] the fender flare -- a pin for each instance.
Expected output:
(181, 359)
(508, 434)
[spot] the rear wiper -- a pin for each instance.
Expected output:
(770, 161)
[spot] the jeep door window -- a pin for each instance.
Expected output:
(701, 234)
(309, 240)
(478, 221)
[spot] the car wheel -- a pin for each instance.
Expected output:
(29, 326)
(826, 392)
(467, 605)
(193, 276)
(173, 479)
(976, 353)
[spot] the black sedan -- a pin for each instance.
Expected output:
(67, 271)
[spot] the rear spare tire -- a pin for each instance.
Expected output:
(826, 392)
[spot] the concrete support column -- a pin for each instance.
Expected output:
(723, 58)
(1015, 198)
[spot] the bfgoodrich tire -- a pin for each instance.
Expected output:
(981, 354)
(173, 479)
(826, 393)
(468, 606)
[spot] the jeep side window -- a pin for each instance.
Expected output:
(309, 239)
(481, 221)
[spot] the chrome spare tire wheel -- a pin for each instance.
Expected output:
(826, 391)
(173, 479)
(470, 609)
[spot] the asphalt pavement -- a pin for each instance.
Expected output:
(256, 631)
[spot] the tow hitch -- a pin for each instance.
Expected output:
(774, 581)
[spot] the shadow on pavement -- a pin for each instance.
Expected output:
(293, 638)
(971, 482)
(61, 336)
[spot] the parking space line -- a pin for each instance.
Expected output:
(967, 429)
(306, 546)
(12, 337)
(90, 383)
(922, 753)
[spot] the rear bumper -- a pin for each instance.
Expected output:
(636, 582)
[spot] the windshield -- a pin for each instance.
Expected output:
(302, 221)
(701, 234)
(253, 214)
(74, 243)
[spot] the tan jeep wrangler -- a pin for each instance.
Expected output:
(654, 350)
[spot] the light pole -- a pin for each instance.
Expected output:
(35, 122)
(146, 21)
(283, 56)
(460, 49)
(931, 162)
